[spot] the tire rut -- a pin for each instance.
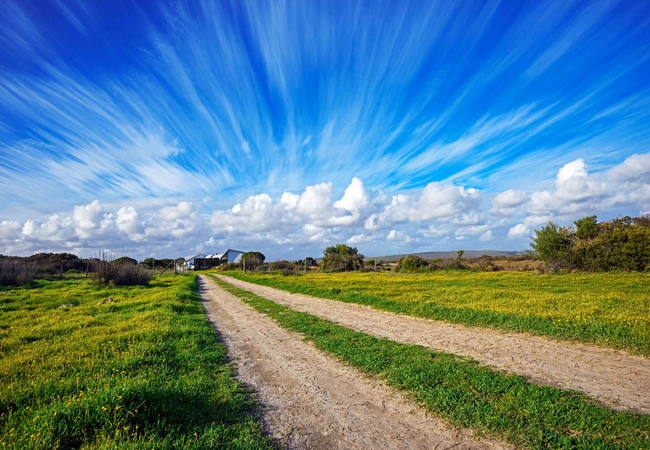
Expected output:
(619, 380)
(311, 400)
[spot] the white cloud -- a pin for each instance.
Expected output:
(433, 232)
(399, 236)
(506, 203)
(359, 239)
(634, 170)
(518, 231)
(486, 237)
(10, 229)
(437, 200)
(86, 219)
(128, 221)
(313, 217)
(355, 198)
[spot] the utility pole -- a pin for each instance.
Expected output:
(244, 266)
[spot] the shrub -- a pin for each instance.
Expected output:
(124, 260)
(281, 265)
(622, 243)
(341, 258)
(552, 243)
(253, 260)
(107, 273)
(14, 272)
(411, 263)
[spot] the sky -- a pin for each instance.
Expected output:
(169, 128)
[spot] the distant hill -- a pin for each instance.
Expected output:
(448, 255)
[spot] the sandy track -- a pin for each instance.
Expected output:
(619, 380)
(311, 400)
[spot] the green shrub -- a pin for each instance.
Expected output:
(411, 263)
(341, 258)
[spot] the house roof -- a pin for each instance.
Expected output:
(198, 255)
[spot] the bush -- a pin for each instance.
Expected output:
(341, 258)
(253, 260)
(552, 243)
(14, 272)
(281, 265)
(107, 273)
(622, 243)
(411, 263)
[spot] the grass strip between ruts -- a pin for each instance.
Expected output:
(441, 301)
(466, 394)
(144, 370)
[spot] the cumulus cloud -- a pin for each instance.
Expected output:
(127, 220)
(398, 236)
(634, 170)
(359, 216)
(10, 229)
(486, 237)
(433, 232)
(518, 231)
(437, 201)
(578, 192)
(359, 239)
(506, 203)
(86, 219)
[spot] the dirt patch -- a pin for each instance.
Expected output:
(616, 378)
(311, 400)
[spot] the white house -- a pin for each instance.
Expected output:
(231, 256)
(201, 261)
(189, 260)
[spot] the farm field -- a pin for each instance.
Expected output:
(506, 407)
(609, 309)
(143, 371)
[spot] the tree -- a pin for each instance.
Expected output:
(341, 257)
(586, 228)
(253, 260)
(411, 263)
(309, 261)
(552, 243)
(125, 260)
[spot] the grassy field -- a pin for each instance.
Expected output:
(466, 394)
(611, 309)
(144, 371)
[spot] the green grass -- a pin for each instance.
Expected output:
(609, 309)
(466, 394)
(146, 371)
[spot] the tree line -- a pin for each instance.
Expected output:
(622, 244)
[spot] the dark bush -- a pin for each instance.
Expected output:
(124, 260)
(281, 265)
(411, 263)
(253, 260)
(108, 273)
(14, 272)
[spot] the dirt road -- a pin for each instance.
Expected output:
(617, 379)
(311, 400)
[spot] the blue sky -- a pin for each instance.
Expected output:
(166, 128)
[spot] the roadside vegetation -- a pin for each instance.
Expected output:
(609, 308)
(84, 366)
(468, 395)
(622, 244)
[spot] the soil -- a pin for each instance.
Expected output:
(619, 380)
(311, 400)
